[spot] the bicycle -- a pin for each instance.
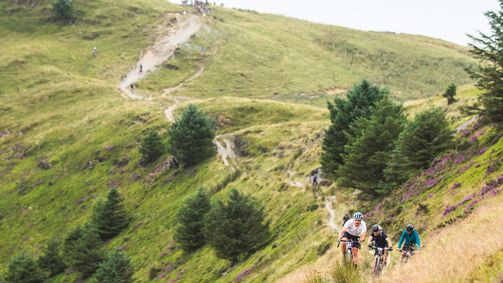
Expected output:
(350, 244)
(379, 259)
(407, 252)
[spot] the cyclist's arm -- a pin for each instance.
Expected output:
(344, 229)
(362, 236)
(418, 240)
(371, 239)
(390, 245)
(401, 239)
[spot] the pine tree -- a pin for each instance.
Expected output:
(370, 148)
(422, 140)
(115, 269)
(236, 228)
(450, 94)
(62, 8)
(24, 269)
(82, 250)
(151, 147)
(52, 261)
(191, 137)
(110, 216)
(189, 234)
(343, 113)
(488, 49)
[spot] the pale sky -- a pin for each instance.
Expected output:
(446, 19)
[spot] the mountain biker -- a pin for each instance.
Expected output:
(141, 68)
(379, 239)
(411, 238)
(345, 219)
(355, 230)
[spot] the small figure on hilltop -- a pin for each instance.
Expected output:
(94, 51)
(141, 68)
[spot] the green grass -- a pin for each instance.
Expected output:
(61, 105)
(268, 56)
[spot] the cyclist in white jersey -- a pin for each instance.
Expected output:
(354, 230)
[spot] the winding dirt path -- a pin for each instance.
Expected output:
(331, 213)
(162, 50)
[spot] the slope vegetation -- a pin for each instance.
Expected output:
(67, 136)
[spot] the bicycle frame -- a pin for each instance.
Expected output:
(379, 259)
(407, 252)
(349, 248)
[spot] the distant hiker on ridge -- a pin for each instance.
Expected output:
(94, 51)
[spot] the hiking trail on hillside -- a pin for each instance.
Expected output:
(161, 51)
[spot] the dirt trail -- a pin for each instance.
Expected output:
(225, 149)
(166, 93)
(331, 213)
(158, 53)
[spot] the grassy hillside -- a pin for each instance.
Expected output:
(268, 56)
(67, 136)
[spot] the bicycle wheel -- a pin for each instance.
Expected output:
(377, 266)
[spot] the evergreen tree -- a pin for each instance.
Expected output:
(450, 93)
(151, 147)
(23, 269)
(191, 137)
(82, 250)
(189, 234)
(488, 49)
(62, 8)
(110, 216)
(370, 148)
(422, 140)
(115, 269)
(52, 261)
(343, 113)
(236, 228)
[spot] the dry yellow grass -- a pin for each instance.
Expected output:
(455, 251)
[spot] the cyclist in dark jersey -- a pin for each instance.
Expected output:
(380, 240)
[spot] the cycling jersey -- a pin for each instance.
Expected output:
(352, 229)
(381, 240)
(410, 239)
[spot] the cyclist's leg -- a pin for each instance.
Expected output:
(356, 250)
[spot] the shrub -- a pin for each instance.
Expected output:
(236, 228)
(24, 269)
(151, 147)
(52, 261)
(191, 137)
(343, 113)
(189, 233)
(82, 250)
(110, 216)
(62, 8)
(115, 269)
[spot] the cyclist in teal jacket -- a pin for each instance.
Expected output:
(411, 238)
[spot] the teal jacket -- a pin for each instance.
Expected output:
(410, 239)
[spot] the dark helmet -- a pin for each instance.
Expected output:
(410, 228)
(376, 228)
